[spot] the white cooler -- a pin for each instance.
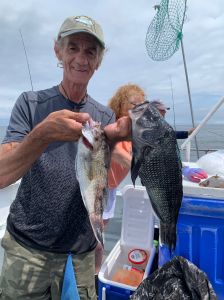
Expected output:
(137, 233)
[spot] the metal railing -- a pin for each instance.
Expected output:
(187, 144)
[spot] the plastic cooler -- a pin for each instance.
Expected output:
(200, 229)
(137, 232)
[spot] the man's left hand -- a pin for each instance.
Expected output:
(119, 131)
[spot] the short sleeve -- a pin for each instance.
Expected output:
(20, 121)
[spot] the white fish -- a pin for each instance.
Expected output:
(92, 163)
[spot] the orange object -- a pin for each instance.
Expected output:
(131, 277)
(117, 172)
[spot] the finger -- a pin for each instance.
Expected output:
(124, 127)
(81, 117)
(119, 131)
(75, 129)
(110, 131)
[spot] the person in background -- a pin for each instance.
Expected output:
(48, 219)
(162, 110)
(124, 99)
(192, 174)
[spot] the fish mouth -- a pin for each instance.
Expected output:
(87, 143)
(87, 135)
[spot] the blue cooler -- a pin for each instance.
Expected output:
(201, 237)
(137, 232)
(201, 232)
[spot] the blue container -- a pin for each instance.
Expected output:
(201, 237)
(111, 292)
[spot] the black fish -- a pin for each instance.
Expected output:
(156, 161)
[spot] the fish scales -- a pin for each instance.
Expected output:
(156, 160)
(92, 163)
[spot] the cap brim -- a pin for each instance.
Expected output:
(74, 31)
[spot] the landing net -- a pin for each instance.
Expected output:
(165, 31)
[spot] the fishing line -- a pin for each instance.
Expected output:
(27, 61)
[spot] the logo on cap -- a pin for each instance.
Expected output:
(84, 20)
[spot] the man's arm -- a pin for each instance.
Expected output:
(17, 158)
(181, 135)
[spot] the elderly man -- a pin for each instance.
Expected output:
(48, 219)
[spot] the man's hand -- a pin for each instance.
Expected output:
(17, 158)
(63, 125)
(119, 131)
(190, 130)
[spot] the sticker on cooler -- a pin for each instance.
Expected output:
(138, 258)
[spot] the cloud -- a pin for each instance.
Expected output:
(125, 24)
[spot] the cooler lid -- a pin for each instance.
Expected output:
(138, 218)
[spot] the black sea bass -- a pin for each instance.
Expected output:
(92, 162)
(157, 162)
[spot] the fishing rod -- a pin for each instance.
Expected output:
(189, 93)
(173, 108)
(27, 61)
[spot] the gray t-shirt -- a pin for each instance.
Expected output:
(48, 212)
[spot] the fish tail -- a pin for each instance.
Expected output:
(97, 226)
(168, 235)
(135, 166)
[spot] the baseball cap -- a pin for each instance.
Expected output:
(159, 105)
(78, 24)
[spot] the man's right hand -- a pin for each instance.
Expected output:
(17, 158)
(63, 125)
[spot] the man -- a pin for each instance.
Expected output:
(48, 219)
(162, 110)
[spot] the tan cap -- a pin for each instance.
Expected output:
(78, 24)
(159, 105)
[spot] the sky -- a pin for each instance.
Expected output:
(125, 24)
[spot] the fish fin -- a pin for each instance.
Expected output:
(168, 235)
(135, 166)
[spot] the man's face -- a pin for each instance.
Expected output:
(79, 54)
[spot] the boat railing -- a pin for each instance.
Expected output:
(187, 144)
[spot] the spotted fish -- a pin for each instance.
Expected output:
(92, 162)
(157, 162)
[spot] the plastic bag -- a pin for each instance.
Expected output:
(213, 163)
(177, 279)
